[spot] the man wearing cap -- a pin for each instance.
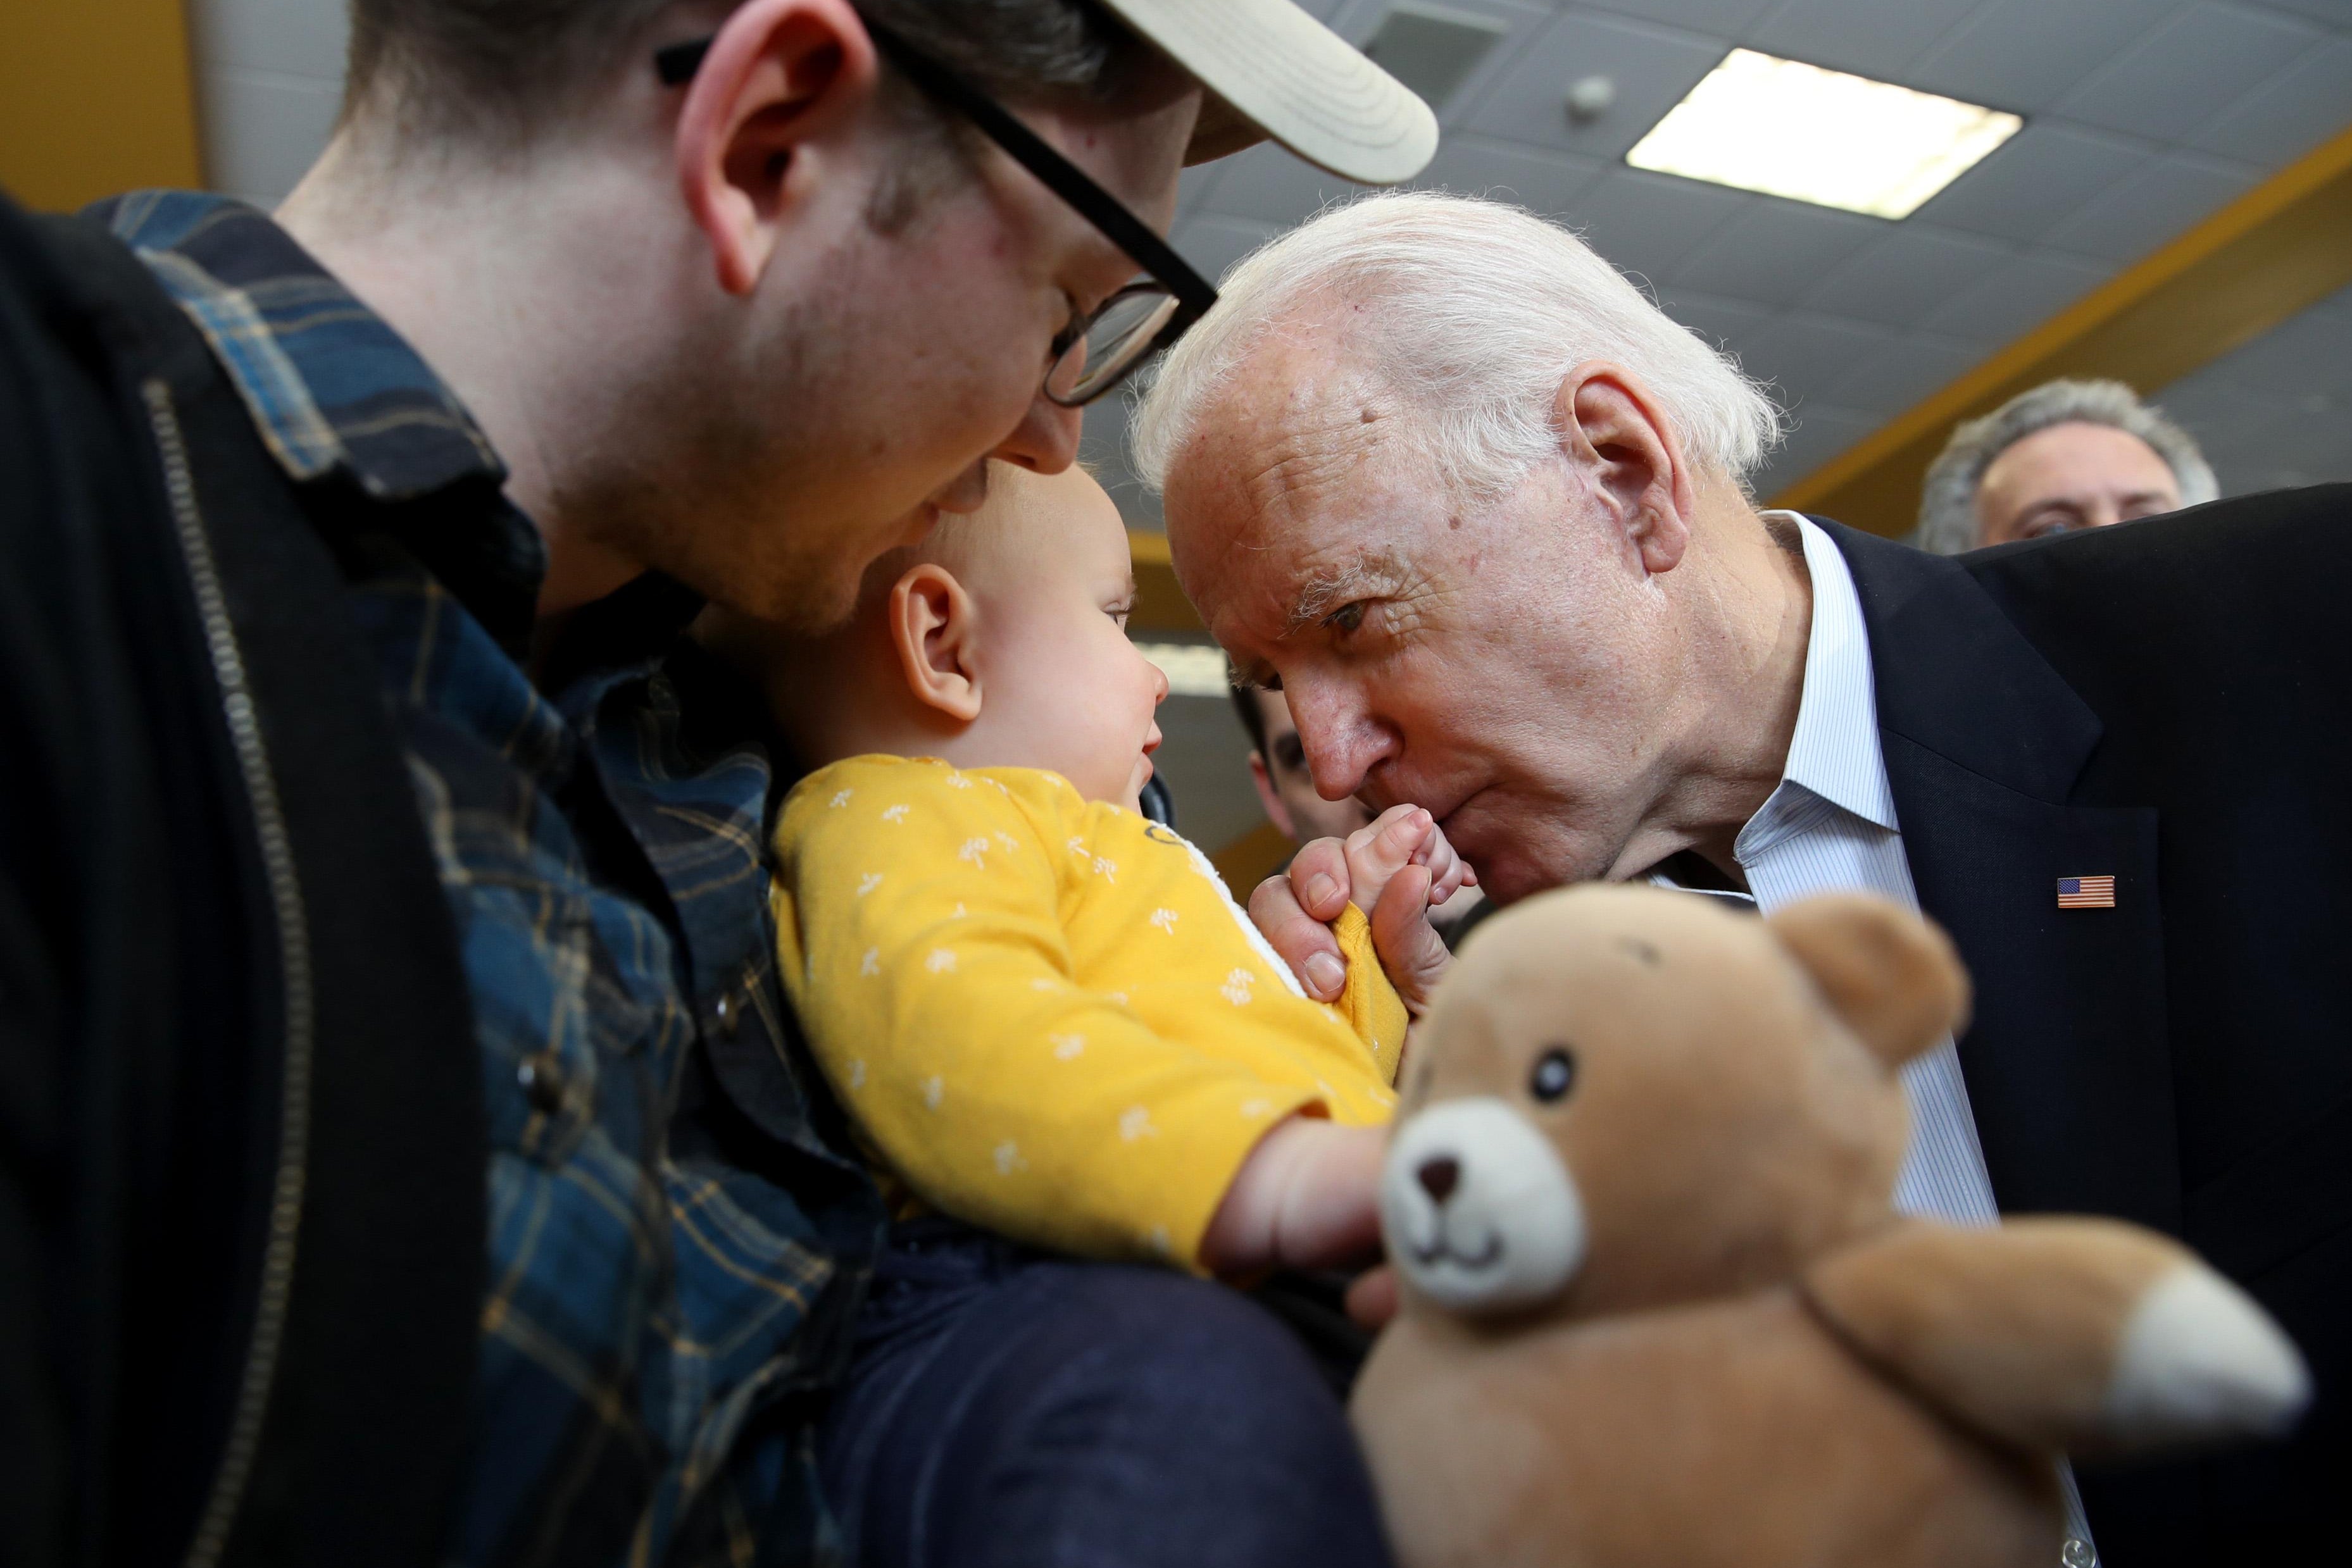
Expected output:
(372, 825)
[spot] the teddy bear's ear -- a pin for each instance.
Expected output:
(1890, 975)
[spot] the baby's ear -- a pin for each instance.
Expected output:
(933, 626)
(1890, 975)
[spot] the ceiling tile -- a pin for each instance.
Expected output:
(2309, 356)
(1525, 20)
(2333, 13)
(1194, 185)
(261, 131)
(1819, 431)
(1652, 68)
(2187, 71)
(2336, 303)
(2291, 112)
(302, 38)
(1802, 356)
(1775, 251)
(2012, 298)
(1214, 244)
(2281, 452)
(2034, 182)
(2137, 215)
(1906, 274)
(1899, 375)
(1724, 323)
(1876, 37)
(2212, 406)
(1545, 183)
(1719, 18)
(1648, 222)
(1268, 185)
(2022, 55)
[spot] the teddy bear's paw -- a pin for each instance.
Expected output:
(2200, 1362)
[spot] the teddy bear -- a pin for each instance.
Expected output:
(1656, 1307)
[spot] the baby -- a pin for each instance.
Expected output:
(1045, 1013)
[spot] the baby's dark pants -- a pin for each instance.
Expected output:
(1012, 1407)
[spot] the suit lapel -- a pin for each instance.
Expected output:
(2068, 1072)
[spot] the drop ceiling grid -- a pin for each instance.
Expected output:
(2144, 116)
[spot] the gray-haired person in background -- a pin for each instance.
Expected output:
(2068, 455)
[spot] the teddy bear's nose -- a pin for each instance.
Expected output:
(1439, 1175)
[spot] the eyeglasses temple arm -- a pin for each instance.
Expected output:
(1194, 293)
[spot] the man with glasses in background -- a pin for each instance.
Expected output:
(349, 709)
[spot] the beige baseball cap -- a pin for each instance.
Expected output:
(1271, 70)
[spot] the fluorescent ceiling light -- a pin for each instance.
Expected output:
(1821, 136)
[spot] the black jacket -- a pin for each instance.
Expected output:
(2170, 704)
(241, 1146)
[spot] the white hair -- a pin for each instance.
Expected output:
(1480, 310)
(1948, 523)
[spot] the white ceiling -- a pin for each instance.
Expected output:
(2143, 116)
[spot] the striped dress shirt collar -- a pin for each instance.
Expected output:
(1835, 759)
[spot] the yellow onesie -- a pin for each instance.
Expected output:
(1046, 1015)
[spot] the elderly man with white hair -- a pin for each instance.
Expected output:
(1479, 508)
(2064, 455)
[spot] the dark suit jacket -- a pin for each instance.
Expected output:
(2169, 703)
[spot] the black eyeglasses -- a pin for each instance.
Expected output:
(1100, 349)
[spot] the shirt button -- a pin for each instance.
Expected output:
(728, 1016)
(2078, 1553)
(541, 1082)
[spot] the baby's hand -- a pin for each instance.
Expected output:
(1397, 838)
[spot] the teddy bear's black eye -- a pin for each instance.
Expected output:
(1554, 1076)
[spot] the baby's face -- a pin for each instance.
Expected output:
(1061, 687)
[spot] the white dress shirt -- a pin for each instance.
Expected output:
(1830, 827)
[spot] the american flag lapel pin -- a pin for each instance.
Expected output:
(2086, 892)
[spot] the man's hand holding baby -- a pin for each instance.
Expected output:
(1395, 869)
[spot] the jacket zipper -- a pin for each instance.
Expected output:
(230, 1480)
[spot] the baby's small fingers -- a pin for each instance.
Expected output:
(1382, 848)
(1407, 839)
(1447, 869)
(1377, 829)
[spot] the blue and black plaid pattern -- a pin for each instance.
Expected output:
(678, 1239)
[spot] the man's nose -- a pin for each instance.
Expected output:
(1046, 439)
(1342, 745)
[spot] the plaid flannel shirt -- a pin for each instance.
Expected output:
(678, 1238)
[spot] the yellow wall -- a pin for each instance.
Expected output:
(95, 98)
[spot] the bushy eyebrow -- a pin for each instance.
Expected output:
(1367, 576)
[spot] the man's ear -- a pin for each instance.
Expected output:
(779, 73)
(1611, 432)
(933, 627)
(1892, 975)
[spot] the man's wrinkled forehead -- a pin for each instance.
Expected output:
(1287, 484)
